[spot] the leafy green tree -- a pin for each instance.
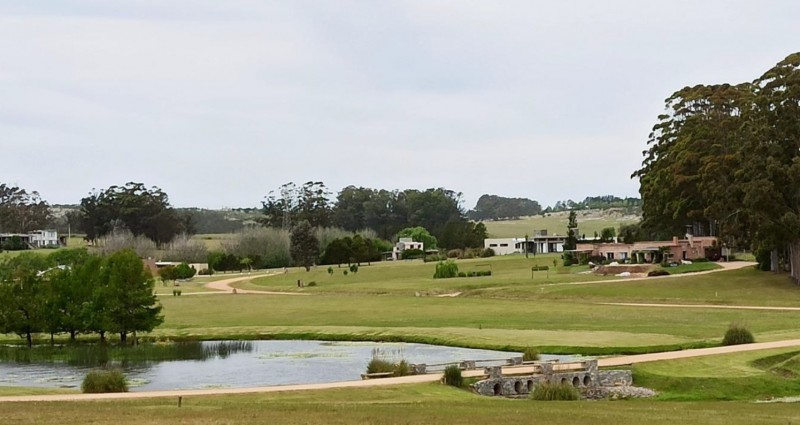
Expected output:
(132, 304)
(21, 211)
(168, 274)
(493, 207)
(608, 234)
(23, 295)
(304, 245)
(419, 234)
(572, 236)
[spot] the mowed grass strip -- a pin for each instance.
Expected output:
(478, 317)
(417, 404)
(737, 376)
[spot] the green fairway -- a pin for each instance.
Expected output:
(408, 404)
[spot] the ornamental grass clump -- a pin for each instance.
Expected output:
(104, 381)
(452, 376)
(530, 355)
(547, 391)
(737, 334)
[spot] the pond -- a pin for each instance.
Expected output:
(222, 364)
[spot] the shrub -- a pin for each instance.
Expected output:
(455, 253)
(378, 365)
(104, 381)
(486, 253)
(312, 283)
(205, 272)
(658, 273)
(452, 376)
(737, 334)
(411, 254)
(354, 268)
(530, 355)
(568, 259)
(462, 274)
(547, 391)
(330, 270)
(344, 272)
(446, 270)
(184, 271)
(402, 369)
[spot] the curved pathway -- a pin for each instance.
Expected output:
(224, 287)
(415, 379)
(734, 265)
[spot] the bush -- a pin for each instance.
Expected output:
(737, 334)
(462, 274)
(446, 270)
(568, 259)
(184, 271)
(452, 376)
(312, 283)
(104, 381)
(205, 272)
(378, 365)
(547, 391)
(411, 254)
(658, 273)
(455, 253)
(486, 253)
(530, 355)
(402, 369)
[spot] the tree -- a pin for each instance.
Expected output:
(22, 295)
(419, 234)
(132, 303)
(304, 245)
(493, 207)
(141, 210)
(572, 228)
(608, 234)
(20, 211)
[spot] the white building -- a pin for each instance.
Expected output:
(44, 238)
(404, 244)
(540, 243)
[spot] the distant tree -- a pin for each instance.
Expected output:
(304, 245)
(493, 207)
(168, 274)
(608, 234)
(419, 234)
(572, 237)
(21, 211)
(141, 210)
(23, 295)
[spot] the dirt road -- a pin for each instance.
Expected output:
(606, 362)
(224, 287)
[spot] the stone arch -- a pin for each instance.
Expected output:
(498, 389)
(518, 387)
(530, 385)
(587, 381)
(563, 381)
(576, 382)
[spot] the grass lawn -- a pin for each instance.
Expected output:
(755, 375)
(409, 404)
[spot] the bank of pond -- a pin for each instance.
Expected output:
(220, 364)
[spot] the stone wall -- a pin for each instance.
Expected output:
(508, 386)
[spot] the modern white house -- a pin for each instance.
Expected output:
(539, 243)
(405, 244)
(37, 238)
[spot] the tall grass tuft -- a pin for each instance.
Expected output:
(530, 355)
(452, 376)
(547, 391)
(737, 334)
(378, 365)
(104, 381)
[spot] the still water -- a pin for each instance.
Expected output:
(236, 364)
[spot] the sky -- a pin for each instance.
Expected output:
(220, 102)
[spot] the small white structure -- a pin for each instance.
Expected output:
(404, 244)
(505, 246)
(44, 238)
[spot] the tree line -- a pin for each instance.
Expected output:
(725, 159)
(77, 292)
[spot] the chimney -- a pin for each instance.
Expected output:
(674, 240)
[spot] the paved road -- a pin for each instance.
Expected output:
(606, 362)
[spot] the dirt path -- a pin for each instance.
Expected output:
(224, 287)
(606, 362)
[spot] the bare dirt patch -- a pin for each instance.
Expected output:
(633, 269)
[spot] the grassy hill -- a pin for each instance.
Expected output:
(589, 221)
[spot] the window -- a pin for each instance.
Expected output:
(610, 255)
(492, 245)
(503, 244)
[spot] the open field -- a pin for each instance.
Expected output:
(556, 223)
(417, 404)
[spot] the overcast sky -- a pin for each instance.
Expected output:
(219, 102)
